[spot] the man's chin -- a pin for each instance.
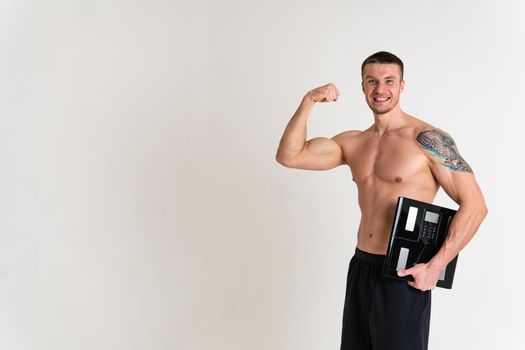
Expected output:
(380, 111)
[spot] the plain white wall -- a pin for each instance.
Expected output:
(142, 204)
(102, 107)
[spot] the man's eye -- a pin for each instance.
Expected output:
(371, 81)
(389, 81)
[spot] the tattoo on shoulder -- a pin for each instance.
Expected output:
(441, 145)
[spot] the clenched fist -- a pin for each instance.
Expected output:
(325, 93)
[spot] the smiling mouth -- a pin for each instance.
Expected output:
(381, 99)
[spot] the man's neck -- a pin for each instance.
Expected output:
(394, 119)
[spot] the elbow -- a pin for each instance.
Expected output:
(284, 159)
(477, 208)
(484, 211)
(280, 159)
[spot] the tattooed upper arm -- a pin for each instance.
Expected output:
(439, 144)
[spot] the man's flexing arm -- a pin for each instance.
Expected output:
(319, 153)
(457, 179)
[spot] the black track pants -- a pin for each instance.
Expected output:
(382, 313)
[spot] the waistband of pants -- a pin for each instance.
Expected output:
(369, 257)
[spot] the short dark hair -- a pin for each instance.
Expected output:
(383, 57)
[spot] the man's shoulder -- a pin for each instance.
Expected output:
(350, 132)
(422, 129)
(426, 131)
(346, 134)
(418, 125)
(426, 135)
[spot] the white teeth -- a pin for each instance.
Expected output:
(381, 99)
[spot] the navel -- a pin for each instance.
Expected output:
(370, 235)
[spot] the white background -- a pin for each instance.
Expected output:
(141, 203)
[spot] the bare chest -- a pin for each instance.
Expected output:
(393, 159)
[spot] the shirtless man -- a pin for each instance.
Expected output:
(399, 155)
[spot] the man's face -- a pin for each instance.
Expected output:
(382, 86)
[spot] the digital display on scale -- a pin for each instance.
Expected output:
(431, 217)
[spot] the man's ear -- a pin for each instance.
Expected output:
(363, 86)
(402, 84)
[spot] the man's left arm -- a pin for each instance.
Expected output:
(456, 177)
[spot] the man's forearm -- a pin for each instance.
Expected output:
(464, 225)
(294, 136)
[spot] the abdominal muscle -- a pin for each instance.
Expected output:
(378, 200)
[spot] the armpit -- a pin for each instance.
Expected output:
(441, 145)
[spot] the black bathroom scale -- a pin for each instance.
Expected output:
(418, 232)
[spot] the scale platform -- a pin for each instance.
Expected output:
(418, 232)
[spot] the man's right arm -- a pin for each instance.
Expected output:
(319, 153)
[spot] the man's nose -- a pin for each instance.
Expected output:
(380, 87)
